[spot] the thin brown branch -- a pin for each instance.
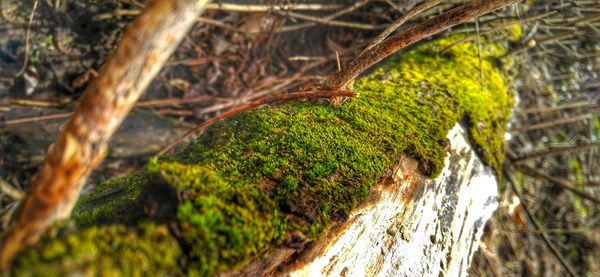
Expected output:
(555, 151)
(553, 230)
(565, 184)
(27, 34)
(551, 123)
(134, 12)
(396, 24)
(267, 8)
(81, 144)
(494, 29)
(339, 13)
(31, 103)
(175, 101)
(34, 118)
(144, 104)
(411, 35)
(575, 105)
(254, 104)
(329, 22)
(228, 7)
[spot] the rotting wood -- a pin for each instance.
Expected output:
(81, 145)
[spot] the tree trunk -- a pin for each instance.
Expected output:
(414, 226)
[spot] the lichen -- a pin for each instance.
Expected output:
(249, 181)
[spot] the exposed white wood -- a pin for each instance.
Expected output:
(416, 226)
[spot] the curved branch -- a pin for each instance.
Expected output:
(411, 35)
(81, 145)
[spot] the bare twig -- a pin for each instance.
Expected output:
(266, 8)
(12, 192)
(565, 184)
(575, 105)
(228, 7)
(329, 22)
(27, 34)
(35, 118)
(81, 145)
(339, 13)
(134, 12)
(411, 35)
(394, 26)
(551, 123)
(554, 230)
(493, 27)
(254, 104)
(31, 103)
(556, 150)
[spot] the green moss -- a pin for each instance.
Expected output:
(104, 251)
(316, 162)
(112, 201)
(515, 32)
(222, 225)
(251, 180)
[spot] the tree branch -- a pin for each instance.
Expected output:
(565, 184)
(411, 35)
(81, 145)
(556, 150)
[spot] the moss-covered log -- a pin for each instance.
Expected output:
(282, 175)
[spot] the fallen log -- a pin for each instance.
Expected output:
(307, 187)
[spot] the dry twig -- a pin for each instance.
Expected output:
(565, 184)
(228, 7)
(329, 22)
(575, 105)
(339, 13)
(396, 24)
(556, 150)
(27, 34)
(551, 123)
(411, 35)
(81, 145)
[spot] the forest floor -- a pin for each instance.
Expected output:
(233, 57)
